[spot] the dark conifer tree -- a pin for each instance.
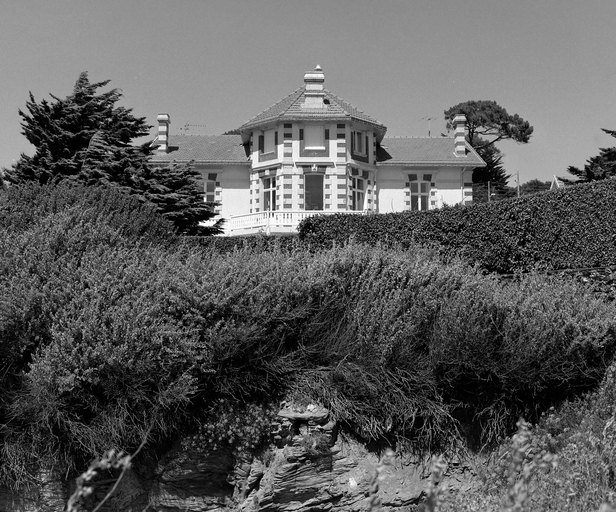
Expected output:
(487, 123)
(598, 167)
(87, 137)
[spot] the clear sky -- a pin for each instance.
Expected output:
(214, 64)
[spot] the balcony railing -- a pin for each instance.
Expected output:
(272, 222)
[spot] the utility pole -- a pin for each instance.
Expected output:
(518, 182)
(489, 193)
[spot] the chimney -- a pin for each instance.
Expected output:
(314, 88)
(459, 130)
(163, 132)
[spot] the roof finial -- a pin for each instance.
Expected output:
(318, 68)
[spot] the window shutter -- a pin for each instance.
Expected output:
(301, 134)
(326, 134)
(275, 138)
(261, 143)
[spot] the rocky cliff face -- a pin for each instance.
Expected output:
(308, 468)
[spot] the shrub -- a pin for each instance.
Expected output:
(23, 206)
(242, 427)
(108, 338)
(569, 228)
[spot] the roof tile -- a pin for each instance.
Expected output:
(424, 151)
(291, 108)
(207, 148)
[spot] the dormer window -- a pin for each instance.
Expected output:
(268, 141)
(314, 137)
(359, 143)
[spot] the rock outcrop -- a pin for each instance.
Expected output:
(307, 468)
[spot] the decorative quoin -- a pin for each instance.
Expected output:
(314, 153)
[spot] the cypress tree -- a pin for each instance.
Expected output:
(87, 137)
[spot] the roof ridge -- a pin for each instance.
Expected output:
(274, 104)
(352, 106)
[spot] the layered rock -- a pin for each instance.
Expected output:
(307, 468)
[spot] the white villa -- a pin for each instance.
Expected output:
(314, 153)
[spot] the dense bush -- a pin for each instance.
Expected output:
(21, 207)
(107, 337)
(573, 227)
(258, 242)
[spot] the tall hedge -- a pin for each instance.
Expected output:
(573, 227)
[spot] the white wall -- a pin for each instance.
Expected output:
(234, 188)
(391, 190)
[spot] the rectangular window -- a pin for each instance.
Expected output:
(314, 191)
(315, 137)
(357, 194)
(269, 194)
(270, 142)
(358, 143)
(210, 188)
(420, 191)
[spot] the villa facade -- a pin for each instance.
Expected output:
(314, 153)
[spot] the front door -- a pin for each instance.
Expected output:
(313, 188)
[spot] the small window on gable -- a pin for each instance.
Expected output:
(269, 143)
(314, 137)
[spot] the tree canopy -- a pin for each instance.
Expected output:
(487, 123)
(598, 167)
(534, 186)
(488, 119)
(86, 137)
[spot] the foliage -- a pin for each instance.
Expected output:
(489, 119)
(566, 228)
(487, 123)
(600, 167)
(86, 138)
(243, 427)
(109, 336)
(490, 182)
(258, 242)
(22, 207)
(534, 186)
(566, 462)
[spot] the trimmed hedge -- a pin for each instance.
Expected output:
(568, 228)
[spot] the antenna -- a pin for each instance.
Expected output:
(188, 126)
(426, 118)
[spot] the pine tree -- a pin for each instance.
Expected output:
(488, 119)
(493, 173)
(87, 137)
(598, 167)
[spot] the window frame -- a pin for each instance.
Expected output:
(268, 193)
(309, 136)
(419, 199)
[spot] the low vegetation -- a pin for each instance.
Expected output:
(114, 330)
(561, 229)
